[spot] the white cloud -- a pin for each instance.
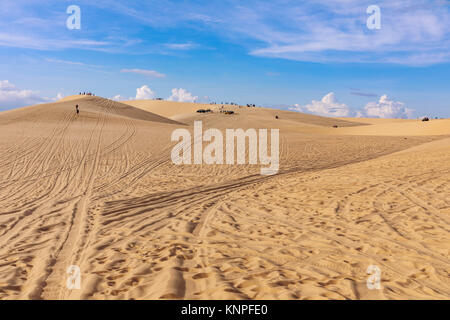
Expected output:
(39, 43)
(413, 32)
(178, 95)
(65, 62)
(73, 63)
(119, 98)
(386, 108)
(144, 93)
(12, 97)
(182, 95)
(180, 46)
(328, 106)
(151, 73)
(6, 85)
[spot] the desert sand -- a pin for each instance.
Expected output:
(167, 108)
(99, 191)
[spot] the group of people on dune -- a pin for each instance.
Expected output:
(77, 110)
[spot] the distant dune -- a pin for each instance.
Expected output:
(377, 120)
(168, 109)
(179, 110)
(99, 191)
(402, 128)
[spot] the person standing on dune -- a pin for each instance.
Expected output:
(76, 107)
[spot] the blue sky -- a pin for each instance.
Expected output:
(311, 56)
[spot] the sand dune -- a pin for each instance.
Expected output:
(377, 120)
(89, 106)
(168, 109)
(403, 128)
(181, 110)
(99, 191)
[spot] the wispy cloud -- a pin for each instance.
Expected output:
(180, 46)
(46, 44)
(358, 92)
(151, 73)
(73, 63)
(413, 32)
